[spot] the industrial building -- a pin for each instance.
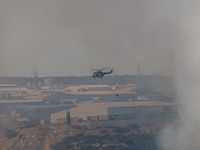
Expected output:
(87, 105)
(36, 113)
(118, 114)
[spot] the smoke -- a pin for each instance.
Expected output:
(185, 133)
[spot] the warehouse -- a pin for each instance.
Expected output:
(119, 113)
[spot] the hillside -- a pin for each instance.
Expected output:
(14, 136)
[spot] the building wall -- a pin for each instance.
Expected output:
(141, 111)
(118, 123)
(121, 110)
(125, 116)
(59, 116)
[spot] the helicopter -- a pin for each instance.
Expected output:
(100, 74)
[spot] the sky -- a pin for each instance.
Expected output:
(69, 38)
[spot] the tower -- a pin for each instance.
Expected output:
(35, 73)
(138, 69)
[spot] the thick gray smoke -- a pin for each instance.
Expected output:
(185, 133)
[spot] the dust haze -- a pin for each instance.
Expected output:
(64, 38)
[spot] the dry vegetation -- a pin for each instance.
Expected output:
(15, 136)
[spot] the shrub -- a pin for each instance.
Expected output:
(10, 133)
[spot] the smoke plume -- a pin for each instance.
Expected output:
(184, 134)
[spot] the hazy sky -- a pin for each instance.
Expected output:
(70, 37)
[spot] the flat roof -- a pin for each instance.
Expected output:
(8, 85)
(97, 109)
(19, 101)
(100, 92)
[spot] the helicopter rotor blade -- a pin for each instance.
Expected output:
(105, 68)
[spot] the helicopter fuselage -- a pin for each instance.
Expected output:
(100, 74)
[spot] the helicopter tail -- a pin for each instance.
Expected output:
(111, 70)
